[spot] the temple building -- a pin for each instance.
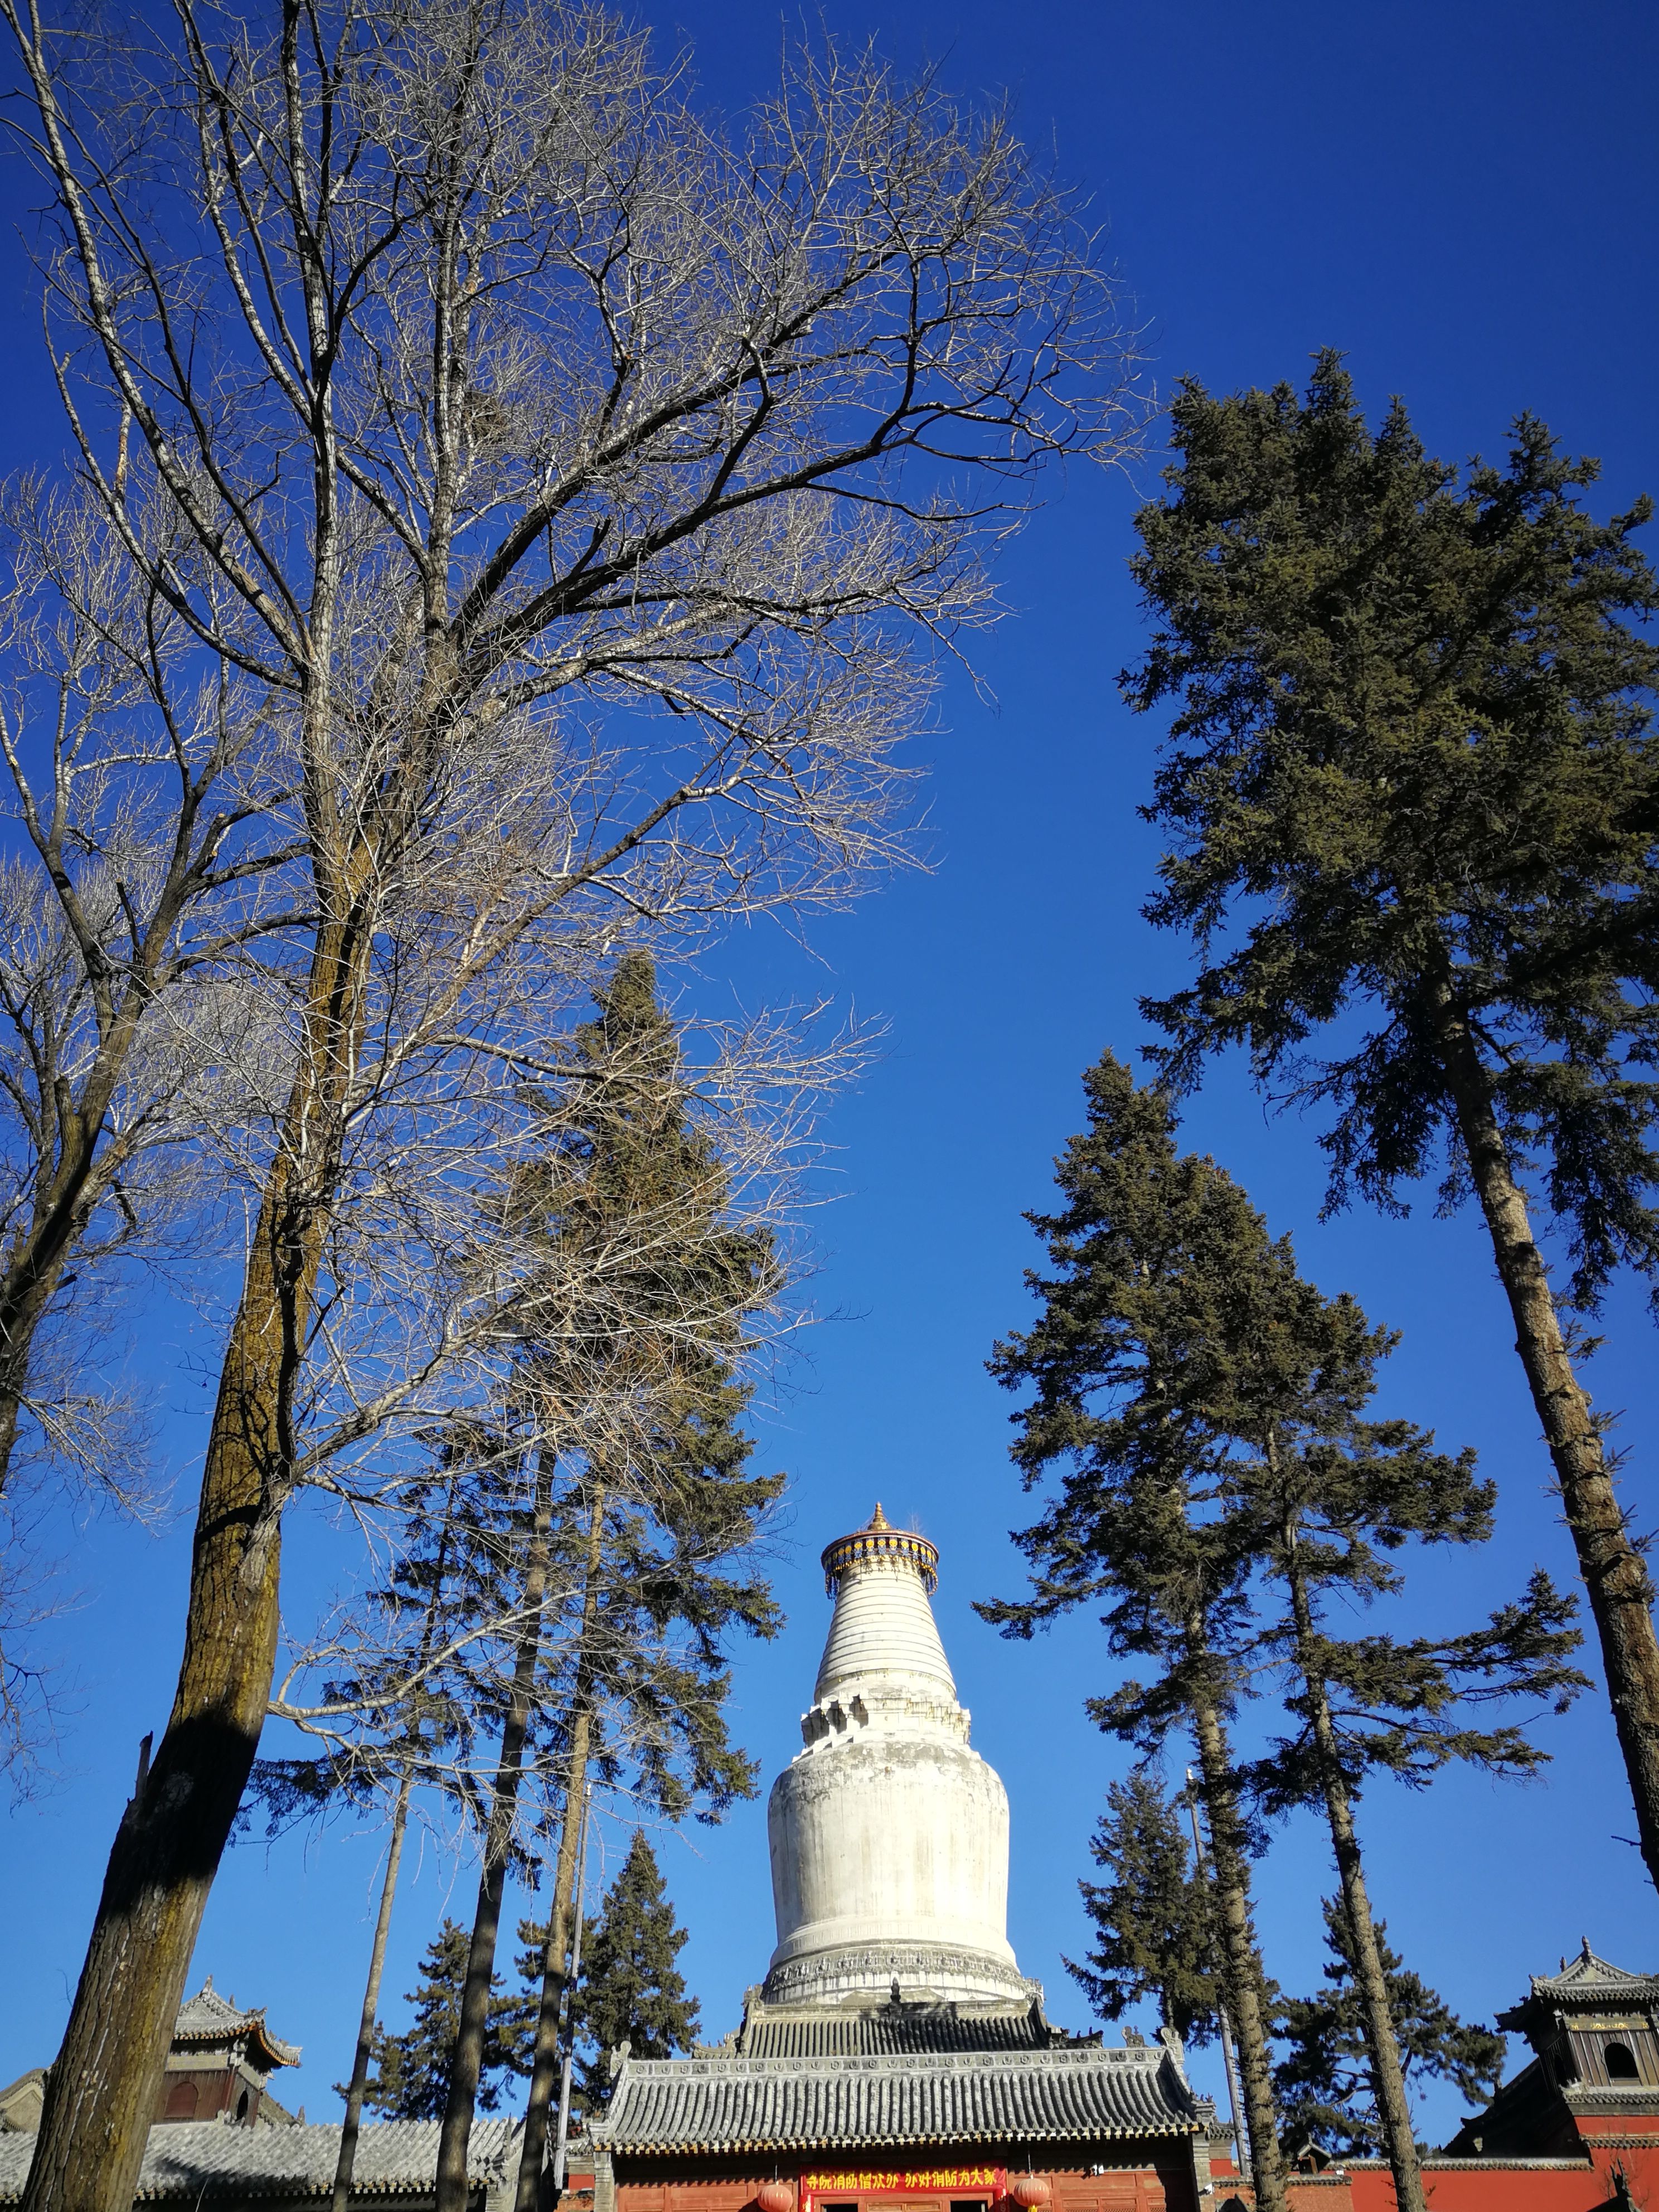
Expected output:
(220, 2141)
(893, 2053)
(1594, 2079)
(221, 2063)
(894, 2059)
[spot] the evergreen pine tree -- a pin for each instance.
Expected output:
(633, 1331)
(1222, 1479)
(630, 1989)
(1130, 1344)
(411, 2080)
(1334, 1494)
(1337, 1494)
(1325, 2079)
(1153, 1932)
(1412, 789)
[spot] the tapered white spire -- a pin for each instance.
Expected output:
(889, 1834)
(883, 1635)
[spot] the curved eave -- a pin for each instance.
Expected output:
(276, 2054)
(262, 2046)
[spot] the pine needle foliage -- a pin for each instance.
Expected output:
(1414, 716)
(631, 1989)
(411, 2081)
(1154, 1934)
(1324, 2079)
(636, 1339)
(1412, 787)
(1130, 1348)
(1206, 1408)
(644, 1373)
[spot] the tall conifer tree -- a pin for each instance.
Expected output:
(1325, 2078)
(1154, 1934)
(1333, 1495)
(1412, 789)
(1120, 1364)
(631, 1989)
(411, 2081)
(632, 1201)
(1178, 1334)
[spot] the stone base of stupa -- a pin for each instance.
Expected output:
(867, 1974)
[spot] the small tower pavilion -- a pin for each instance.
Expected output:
(894, 2055)
(1592, 2081)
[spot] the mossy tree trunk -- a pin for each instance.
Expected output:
(102, 2088)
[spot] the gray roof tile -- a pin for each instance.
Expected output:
(209, 2018)
(730, 2102)
(816, 2032)
(193, 2161)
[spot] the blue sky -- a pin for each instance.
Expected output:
(1461, 196)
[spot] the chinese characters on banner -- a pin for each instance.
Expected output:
(919, 2181)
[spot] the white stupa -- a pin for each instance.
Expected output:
(894, 2046)
(889, 1834)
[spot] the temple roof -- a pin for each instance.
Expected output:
(1588, 1981)
(821, 2031)
(901, 2024)
(730, 2102)
(209, 2018)
(198, 2161)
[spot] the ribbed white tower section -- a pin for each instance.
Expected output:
(889, 1835)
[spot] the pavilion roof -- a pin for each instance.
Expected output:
(210, 2018)
(1587, 1981)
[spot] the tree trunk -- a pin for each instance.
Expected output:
(353, 2110)
(467, 2064)
(544, 2072)
(102, 2088)
(22, 1309)
(35, 1264)
(1620, 1592)
(1229, 2058)
(1241, 1963)
(1388, 2078)
(59, 1217)
(346, 2159)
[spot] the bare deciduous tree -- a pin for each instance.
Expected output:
(145, 868)
(574, 476)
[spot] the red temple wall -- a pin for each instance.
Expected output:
(1167, 2186)
(1492, 2186)
(1163, 2187)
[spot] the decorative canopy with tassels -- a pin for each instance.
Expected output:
(879, 1539)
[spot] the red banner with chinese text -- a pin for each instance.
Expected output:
(904, 2181)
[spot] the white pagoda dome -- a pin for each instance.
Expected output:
(889, 1835)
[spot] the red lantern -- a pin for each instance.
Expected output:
(775, 2196)
(1028, 2191)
